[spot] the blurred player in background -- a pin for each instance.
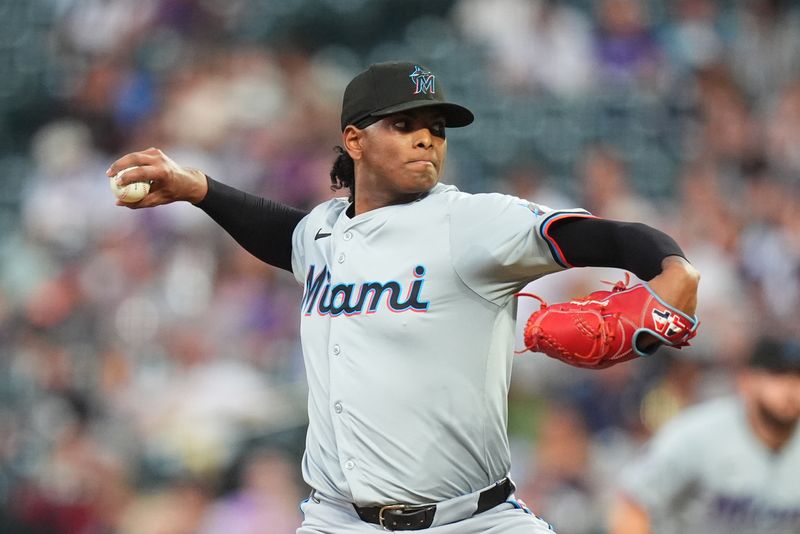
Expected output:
(730, 465)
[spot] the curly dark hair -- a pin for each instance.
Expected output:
(343, 173)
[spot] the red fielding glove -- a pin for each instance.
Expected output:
(602, 329)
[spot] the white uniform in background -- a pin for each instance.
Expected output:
(706, 472)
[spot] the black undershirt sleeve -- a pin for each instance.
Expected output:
(263, 227)
(635, 247)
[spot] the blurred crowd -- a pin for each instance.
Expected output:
(151, 379)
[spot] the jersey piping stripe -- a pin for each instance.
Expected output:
(544, 231)
(521, 506)
(304, 501)
(516, 504)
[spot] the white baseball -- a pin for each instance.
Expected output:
(129, 193)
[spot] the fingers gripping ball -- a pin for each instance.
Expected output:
(129, 193)
(604, 328)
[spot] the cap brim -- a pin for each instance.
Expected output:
(455, 116)
(775, 355)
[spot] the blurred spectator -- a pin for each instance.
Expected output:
(525, 178)
(731, 134)
(178, 508)
(765, 52)
(265, 502)
(80, 487)
(193, 415)
(540, 44)
(709, 223)
(694, 37)
(560, 485)
(770, 253)
(67, 163)
(626, 49)
(782, 130)
(113, 24)
(605, 188)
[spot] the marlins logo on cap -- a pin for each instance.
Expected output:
(424, 81)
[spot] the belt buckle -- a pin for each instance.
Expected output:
(389, 507)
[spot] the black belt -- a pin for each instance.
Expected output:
(417, 517)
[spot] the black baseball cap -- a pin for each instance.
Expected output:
(776, 355)
(391, 87)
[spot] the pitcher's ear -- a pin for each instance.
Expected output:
(353, 141)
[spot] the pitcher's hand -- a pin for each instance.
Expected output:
(169, 182)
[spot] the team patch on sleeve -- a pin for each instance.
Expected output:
(536, 209)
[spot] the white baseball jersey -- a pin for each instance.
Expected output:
(407, 329)
(706, 472)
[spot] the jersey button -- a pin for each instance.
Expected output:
(349, 464)
(348, 236)
(340, 259)
(338, 407)
(336, 350)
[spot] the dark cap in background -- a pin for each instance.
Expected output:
(387, 88)
(776, 355)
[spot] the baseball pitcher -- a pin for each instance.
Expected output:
(407, 315)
